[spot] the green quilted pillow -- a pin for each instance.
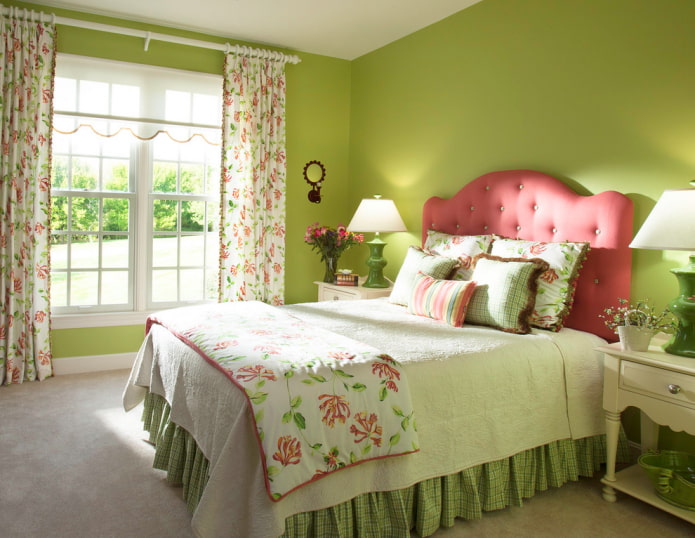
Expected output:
(557, 284)
(418, 260)
(505, 292)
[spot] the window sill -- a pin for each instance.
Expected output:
(111, 319)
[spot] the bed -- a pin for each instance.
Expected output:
(500, 415)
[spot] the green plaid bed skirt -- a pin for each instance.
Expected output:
(424, 507)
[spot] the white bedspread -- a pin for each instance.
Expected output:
(479, 395)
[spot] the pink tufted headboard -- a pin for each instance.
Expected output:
(530, 205)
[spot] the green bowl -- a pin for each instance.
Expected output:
(673, 476)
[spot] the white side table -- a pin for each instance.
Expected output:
(662, 386)
(333, 292)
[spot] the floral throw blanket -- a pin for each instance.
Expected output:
(320, 401)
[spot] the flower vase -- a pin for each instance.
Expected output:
(634, 338)
(331, 267)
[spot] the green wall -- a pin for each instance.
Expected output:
(598, 93)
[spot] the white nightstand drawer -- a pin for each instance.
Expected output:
(658, 382)
(333, 294)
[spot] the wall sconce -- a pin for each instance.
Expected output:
(315, 175)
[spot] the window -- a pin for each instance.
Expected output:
(135, 187)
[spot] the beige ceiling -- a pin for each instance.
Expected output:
(340, 28)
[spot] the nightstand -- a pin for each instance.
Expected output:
(333, 292)
(662, 386)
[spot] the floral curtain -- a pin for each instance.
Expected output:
(252, 229)
(27, 59)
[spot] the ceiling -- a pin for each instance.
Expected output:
(339, 28)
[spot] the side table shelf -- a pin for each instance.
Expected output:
(635, 482)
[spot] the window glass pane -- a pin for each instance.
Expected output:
(212, 173)
(125, 100)
(65, 94)
(59, 252)
(164, 286)
(206, 109)
(165, 215)
(84, 251)
(59, 288)
(61, 142)
(114, 287)
(212, 252)
(94, 97)
(178, 106)
(85, 173)
(192, 216)
(164, 177)
(192, 285)
(59, 213)
(119, 145)
(211, 284)
(84, 288)
(192, 247)
(213, 216)
(85, 214)
(192, 179)
(60, 172)
(165, 149)
(115, 251)
(115, 218)
(165, 251)
(85, 141)
(115, 174)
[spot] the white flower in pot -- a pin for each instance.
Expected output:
(635, 325)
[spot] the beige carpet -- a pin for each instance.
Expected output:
(73, 464)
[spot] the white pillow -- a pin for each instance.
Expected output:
(418, 260)
(463, 247)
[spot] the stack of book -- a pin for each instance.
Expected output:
(343, 279)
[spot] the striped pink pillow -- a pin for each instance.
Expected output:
(445, 300)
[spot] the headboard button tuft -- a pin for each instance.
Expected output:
(596, 281)
(485, 227)
(521, 187)
(598, 231)
(535, 207)
(554, 230)
(518, 227)
(458, 226)
(472, 208)
(487, 187)
(502, 208)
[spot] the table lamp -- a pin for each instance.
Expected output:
(376, 215)
(671, 226)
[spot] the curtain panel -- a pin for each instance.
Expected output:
(27, 61)
(252, 227)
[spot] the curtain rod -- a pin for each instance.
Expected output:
(148, 36)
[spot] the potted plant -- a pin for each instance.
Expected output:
(636, 324)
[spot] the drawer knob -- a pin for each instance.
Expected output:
(674, 389)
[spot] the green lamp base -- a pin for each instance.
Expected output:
(683, 307)
(376, 264)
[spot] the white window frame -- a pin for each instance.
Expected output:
(141, 255)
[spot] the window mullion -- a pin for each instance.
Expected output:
(142, 215)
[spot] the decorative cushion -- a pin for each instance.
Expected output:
(556, 286)
(444, 300)
(505, 292)
(417, 260)
(463, 247)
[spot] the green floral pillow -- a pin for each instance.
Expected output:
(505, 292)
(463, 247)
(557, 284)
(418, 260)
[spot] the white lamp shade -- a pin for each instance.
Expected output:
(671, 224)
(377, 215)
